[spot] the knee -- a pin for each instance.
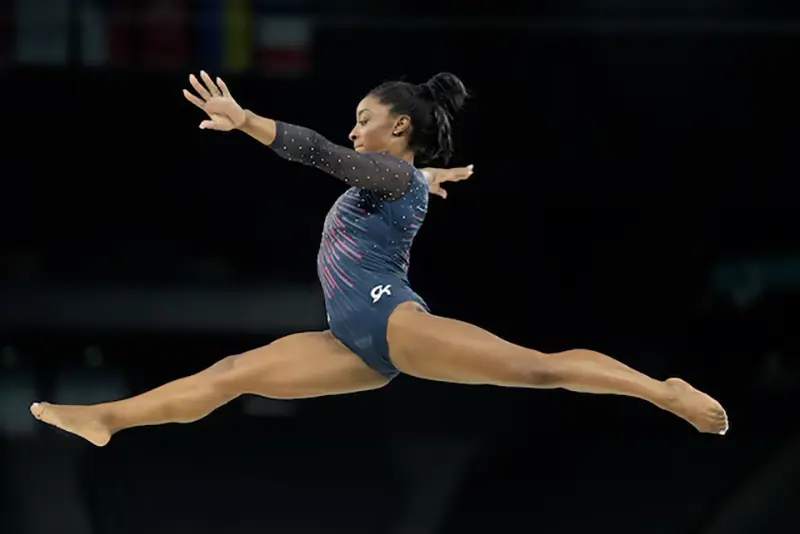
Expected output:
(252, 373)
(539, 370)
(223, 378)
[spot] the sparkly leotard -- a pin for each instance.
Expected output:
(366, 243)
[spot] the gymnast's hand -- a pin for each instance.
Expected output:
(436, 177)
(216, 100)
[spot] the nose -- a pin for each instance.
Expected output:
(353, 136)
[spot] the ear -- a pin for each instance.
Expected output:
(401, 125)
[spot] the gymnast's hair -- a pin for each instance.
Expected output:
(432, 107)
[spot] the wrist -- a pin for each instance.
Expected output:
(247, 121)
(261, 128)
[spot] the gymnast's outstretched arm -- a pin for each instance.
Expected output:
(382, 173)
(376, 171)
(436, 177)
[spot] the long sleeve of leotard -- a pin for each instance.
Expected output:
(386, 175)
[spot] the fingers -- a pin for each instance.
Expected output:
(222, 126)
(209, 84)
(439, 192)
(462, 173)
(456, 174)
(202, 91)
(207, 91)
(217, 122)
(225, 91)
(193, 99)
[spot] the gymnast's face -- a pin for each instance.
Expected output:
(377, 129)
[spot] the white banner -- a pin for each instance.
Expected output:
(284, 44)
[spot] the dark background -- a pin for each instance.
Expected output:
(633, 194)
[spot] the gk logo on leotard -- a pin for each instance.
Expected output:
(379, 291)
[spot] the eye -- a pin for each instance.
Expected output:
(362, 122)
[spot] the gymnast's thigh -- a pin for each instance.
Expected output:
(310, 364)
(438, 348)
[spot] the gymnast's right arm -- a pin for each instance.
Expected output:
(259, 128)
(381, 173)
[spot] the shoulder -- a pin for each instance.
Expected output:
(392, 162)
(393, 177)
(399, 166)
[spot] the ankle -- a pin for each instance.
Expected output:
(107, 417)
(671, 393)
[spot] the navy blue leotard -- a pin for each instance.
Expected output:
(366, 239)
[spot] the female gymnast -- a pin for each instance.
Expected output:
(378, 326)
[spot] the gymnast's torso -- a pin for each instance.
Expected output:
(365, 251)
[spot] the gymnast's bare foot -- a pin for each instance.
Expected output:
(79, 420)
(703, 412)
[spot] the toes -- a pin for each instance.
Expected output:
(37, 409)
(724, 425)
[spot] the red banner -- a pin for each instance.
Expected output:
(284, 45)
(121, 19)
(165, 29)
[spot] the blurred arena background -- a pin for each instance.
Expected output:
(633, 194)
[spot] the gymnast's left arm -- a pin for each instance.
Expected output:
(436, 177)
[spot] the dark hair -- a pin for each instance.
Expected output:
(431, 107)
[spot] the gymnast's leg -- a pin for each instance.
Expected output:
(298, 366)
(436, 348)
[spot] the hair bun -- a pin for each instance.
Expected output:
(448, 91)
